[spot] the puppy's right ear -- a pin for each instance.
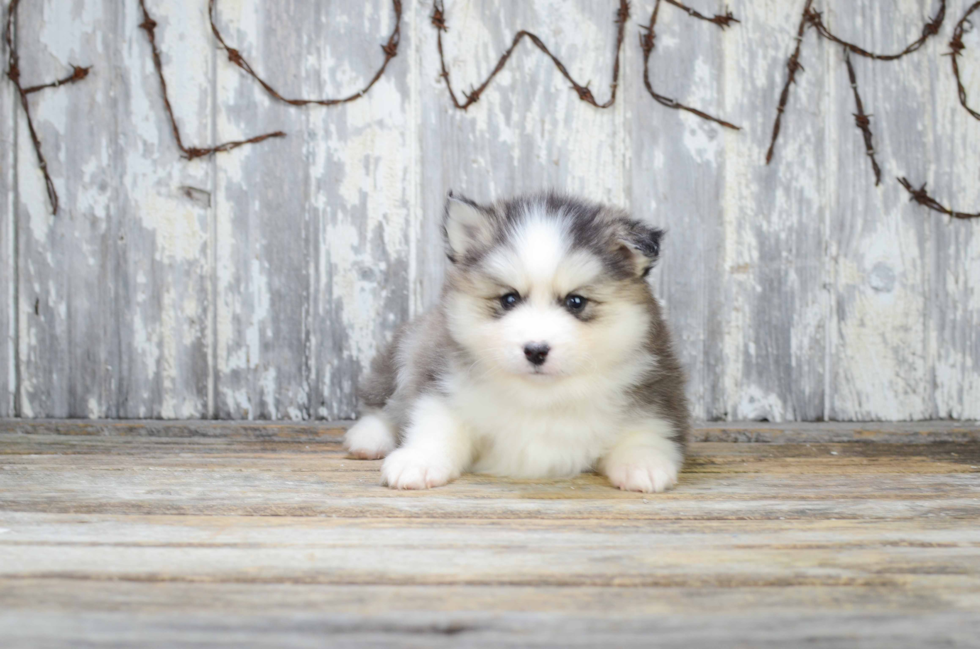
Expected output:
(467, 226)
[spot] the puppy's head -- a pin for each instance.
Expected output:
(547, 287)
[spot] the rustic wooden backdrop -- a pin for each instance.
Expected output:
(258, 283)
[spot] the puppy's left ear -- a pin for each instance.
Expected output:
(643, 243)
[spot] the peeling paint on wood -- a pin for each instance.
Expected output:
(8, 248)
(258, 283)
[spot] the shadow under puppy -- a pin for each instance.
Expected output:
(546, 356)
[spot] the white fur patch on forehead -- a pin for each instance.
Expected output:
(541, 244)
(539, 255)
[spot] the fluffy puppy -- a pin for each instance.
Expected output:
(546, 356)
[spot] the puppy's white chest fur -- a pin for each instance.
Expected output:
(530, 431)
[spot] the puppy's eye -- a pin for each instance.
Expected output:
(575, 303)
(510, 300)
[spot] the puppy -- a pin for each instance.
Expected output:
(546, 356)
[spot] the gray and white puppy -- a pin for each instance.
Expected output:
(546, 356)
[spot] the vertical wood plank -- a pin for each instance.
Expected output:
(677, 173)
(263, 212)
(68, 343)
(954, 310)
(8, 245)
(773, 302)
(360, 169)
(529, 131)
(880, 244)
(160, 267)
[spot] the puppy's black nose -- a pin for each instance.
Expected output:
(536, 353)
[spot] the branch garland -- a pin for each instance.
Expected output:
(390, 49)
(438, 18)
(862, 120)
(956, 47)
(13, 72)
(647, 38)
(922, 197)
(149, 26)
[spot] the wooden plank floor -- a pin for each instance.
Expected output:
(123, 534)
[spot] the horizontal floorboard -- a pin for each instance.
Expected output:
(267, 535)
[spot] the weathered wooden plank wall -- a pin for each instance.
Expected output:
(8, 248)
(257, 283)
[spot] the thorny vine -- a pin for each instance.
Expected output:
(647, 39)
(149, 26)
(390, 49)
(13, 72)
(438, 18)
(956, 48)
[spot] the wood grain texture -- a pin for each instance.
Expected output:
(8, 247)
(312, 260)
(161, 272)
(774, 320)
(880, 359)
(925, 432)
(954, 270)
(266, 536)
(363, 170)
(258, 284)
(68, 346)
(263, 278)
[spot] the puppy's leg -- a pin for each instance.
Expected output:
(644, 459)
(436, 449)
(371, 438)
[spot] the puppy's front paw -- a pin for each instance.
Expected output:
(371, 438)
(409, 468)
(647, 470)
